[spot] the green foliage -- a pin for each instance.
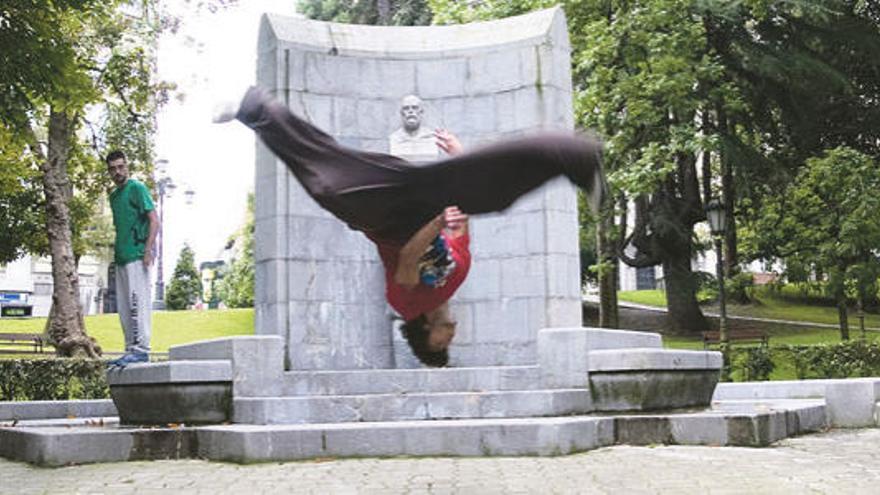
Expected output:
(755, 362)
(186, 283)
(853, 358)
(400, 12)
(826, 222)
(52, 379)
(236, 289)
(738, 288)
(95, 61)
(21, 219)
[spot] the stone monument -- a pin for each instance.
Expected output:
(536, 382)
(413, 141)
(319, 285)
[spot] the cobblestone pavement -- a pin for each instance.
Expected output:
(841, 461)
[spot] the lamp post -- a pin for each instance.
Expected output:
(717, 217)
(165, 186)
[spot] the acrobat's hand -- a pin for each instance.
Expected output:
(447, 142)
(455, 221)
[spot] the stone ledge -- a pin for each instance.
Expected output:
(56, 409)
(171, 372)
(653, 359)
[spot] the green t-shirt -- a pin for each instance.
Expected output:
(131, 204)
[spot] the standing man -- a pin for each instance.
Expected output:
(136, 223)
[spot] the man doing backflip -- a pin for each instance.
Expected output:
(417, 215)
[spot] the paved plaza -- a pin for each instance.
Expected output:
(841, 461)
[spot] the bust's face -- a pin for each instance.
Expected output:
(411, 113)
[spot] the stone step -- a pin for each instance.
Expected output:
(742, 423)
(416, 406)
(411, 381)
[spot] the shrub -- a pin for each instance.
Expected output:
(707, 287)
(839, 360)
(758, 363)
(739, 287)
(52, 379)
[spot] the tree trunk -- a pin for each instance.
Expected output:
(684, 315)
(608, 276)
(383, 7)
(728, 196)
(65, 328)
(731, 254)
(843, 317)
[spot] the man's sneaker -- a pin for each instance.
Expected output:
(224, 111)
(129, 358)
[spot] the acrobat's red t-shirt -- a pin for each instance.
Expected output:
(411, 303)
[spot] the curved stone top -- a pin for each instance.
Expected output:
(413, 41)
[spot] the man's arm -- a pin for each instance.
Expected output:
(407, 272)
(153, 218)
(448, 142)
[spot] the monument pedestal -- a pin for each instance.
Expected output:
(580, 371)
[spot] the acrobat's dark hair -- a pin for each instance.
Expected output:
(114, 155)
(416, 335)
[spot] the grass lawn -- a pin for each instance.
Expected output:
(780, 335)
(790, 305)
(169, 327)
(778, 307)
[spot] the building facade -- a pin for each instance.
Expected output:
(26, 285)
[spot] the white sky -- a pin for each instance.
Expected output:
(211, 58)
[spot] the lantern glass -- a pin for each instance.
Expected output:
(717, 217)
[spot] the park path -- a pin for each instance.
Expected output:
(593, 299)
(840, 461)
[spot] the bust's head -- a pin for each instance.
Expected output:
(411, 111)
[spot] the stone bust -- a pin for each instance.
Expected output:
(413, 141)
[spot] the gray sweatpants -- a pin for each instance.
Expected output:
(134, 304)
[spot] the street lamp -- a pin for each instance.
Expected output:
(717, 216)
(165, 186)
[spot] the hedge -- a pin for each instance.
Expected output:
(852, 358)
(53, 379)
